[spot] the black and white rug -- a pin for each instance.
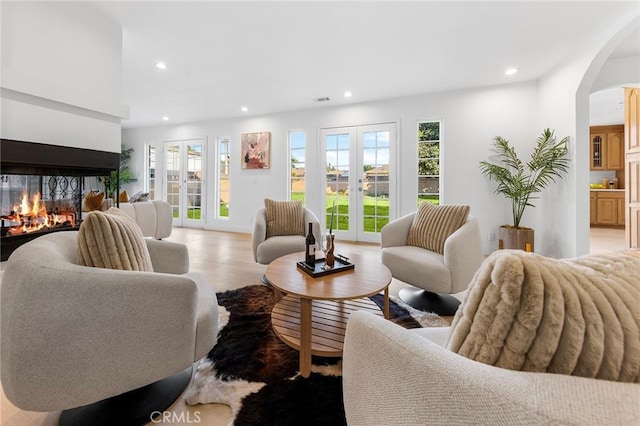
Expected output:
(252, 371)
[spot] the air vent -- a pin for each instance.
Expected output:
(322, 99)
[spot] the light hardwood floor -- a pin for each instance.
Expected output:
(227, 260)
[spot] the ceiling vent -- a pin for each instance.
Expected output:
(322, 99)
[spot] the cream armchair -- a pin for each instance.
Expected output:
(266, 250)
(436, 275)
(392, 375)
(73, 335)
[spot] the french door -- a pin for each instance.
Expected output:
(183, 183)
(359, 179)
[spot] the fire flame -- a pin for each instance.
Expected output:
(34, 216)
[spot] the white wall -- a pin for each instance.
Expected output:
(562, 221)
(618, 72)
(471, 119)
(61, 75)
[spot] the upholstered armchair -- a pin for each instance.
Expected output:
(266, 250)
(436, 275)
(419, 381)
(73, 335)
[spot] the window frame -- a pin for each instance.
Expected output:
(438, 158)
(148, 158)
(219, 173)
(290, 156)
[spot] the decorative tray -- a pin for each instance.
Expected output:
(341, 264)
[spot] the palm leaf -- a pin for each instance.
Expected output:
(520, 182)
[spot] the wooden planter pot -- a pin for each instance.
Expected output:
(515, 238)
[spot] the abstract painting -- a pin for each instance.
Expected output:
(255, 150)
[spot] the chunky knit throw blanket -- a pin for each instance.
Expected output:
(574, 316)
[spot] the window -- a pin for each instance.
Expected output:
(429, 162)
(223, 177)
(297, 154)
(150, 171)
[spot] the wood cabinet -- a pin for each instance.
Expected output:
(621, 211)
(607, 208)
(607, 147)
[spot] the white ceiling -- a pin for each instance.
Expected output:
(279, 56)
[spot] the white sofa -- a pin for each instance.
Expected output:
(155, 218)
(395, 376)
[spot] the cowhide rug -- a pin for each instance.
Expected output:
(252, 371)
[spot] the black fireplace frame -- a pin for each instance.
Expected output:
(34, 158)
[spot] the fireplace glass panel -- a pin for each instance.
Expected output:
(39, 203)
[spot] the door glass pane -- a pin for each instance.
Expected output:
(337, 181)
(194, 181)
(375, 186)
(173, 178)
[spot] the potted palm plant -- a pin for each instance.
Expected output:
(111, 181)
(519, 181)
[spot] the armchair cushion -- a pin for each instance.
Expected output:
(578, 316)
(284, 218)
(433, 224)
(112, 240)
(93, 201)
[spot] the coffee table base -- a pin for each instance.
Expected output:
(316, 327)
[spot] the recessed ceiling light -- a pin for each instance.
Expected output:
(165, 118)
(161, 65)
(244, 109)
(511, 71)
(348, 94)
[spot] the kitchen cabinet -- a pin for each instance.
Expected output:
(607, 147)
(607, 207)
(621, 211)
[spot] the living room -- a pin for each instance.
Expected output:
(65, 67)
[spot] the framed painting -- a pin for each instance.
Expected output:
(255, 150)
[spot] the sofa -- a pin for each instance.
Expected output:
(155, 218)
(392, 375)
(73, 335)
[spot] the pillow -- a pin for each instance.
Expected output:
(112, 240)
(432, 225)
(284, 218)
(93, 201)
(578, 316)
(139, 196)
(123, 197)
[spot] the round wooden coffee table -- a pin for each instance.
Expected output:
(312, 316)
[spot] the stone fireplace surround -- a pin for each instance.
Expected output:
(38, 159)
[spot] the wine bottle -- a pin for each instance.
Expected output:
(310, 252)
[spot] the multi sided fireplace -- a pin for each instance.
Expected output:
(41, 188)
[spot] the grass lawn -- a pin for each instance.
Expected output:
(376, 210)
